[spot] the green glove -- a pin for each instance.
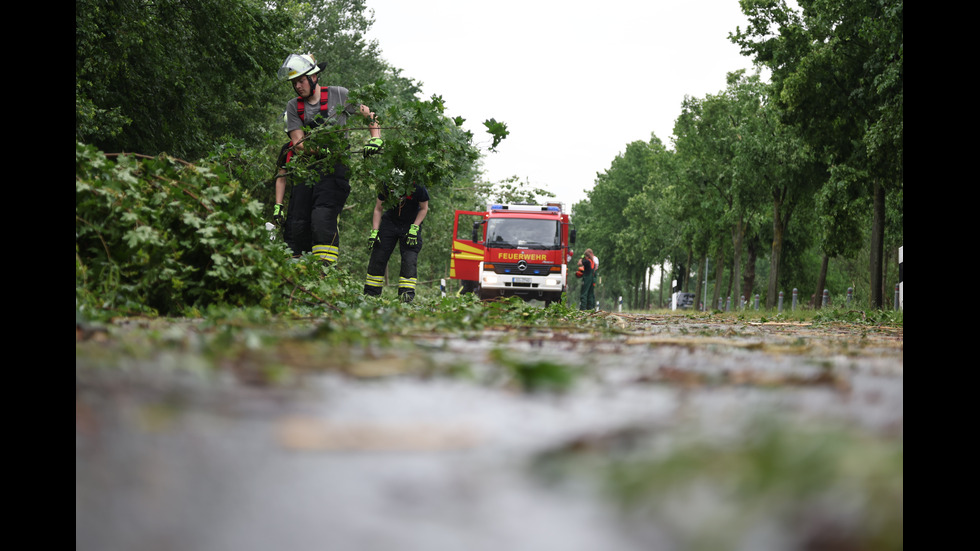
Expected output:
(373, 239)
(373, 147)
(412, 239)
(278, 214)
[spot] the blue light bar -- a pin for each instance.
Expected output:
(527, 208)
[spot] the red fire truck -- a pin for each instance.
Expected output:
(513, 250)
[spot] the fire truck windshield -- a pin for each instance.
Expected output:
(523, 233)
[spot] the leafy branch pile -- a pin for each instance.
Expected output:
(159, 236)
(154, 235)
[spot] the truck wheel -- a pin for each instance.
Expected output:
(551, 298)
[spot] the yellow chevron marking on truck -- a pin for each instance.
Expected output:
(460, 245)
(465, 256)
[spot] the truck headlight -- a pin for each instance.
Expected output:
(552, 282)
(490, 278)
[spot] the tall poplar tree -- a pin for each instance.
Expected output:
(837, 71)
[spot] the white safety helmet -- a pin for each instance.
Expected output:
(297, 65)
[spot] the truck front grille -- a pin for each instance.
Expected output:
(532, 269)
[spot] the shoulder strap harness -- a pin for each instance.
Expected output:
(324, 108)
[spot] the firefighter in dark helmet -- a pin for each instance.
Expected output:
(396, 222)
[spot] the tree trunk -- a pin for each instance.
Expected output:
(687, 271)
(698, 285)
(636, 291)
(886, 289)
(738, 235)
(821, 282)
(719, 273)
(661, 300)
(646, 288)
(877, 244)
(641, 289)
(728, 292)
(645, 296)
(775, 257)
(748, 280)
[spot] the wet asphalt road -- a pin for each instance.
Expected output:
(387, 459)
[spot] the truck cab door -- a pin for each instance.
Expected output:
(466, 255)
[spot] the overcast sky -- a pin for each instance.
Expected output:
(574, 81)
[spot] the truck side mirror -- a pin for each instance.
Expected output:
(476, 231)
(571, 236)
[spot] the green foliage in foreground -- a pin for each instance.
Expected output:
(336, 328)
(157, 236)
(154, 235)
(823, 485)
(885, 318)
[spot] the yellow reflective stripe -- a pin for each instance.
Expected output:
(374, 281)
(407, 282)
(326, 252)
(467, 256)
(467, 248)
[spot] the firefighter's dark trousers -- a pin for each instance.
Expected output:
(311, 222)
(390, 235)
(587, 294)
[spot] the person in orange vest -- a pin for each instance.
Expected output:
(591, 301)
(586, 271)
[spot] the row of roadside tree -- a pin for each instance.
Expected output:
(793, 181)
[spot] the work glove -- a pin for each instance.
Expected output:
(373, 147)
(278, 214)
(373, 239)
(412, 239)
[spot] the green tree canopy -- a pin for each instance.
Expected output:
(175, 76)
(837, 71)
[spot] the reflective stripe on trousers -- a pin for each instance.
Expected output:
(374, 282)
(407, 284)
(326, 253)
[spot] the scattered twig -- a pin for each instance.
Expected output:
(310, 293)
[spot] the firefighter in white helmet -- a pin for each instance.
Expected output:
(311, 222)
